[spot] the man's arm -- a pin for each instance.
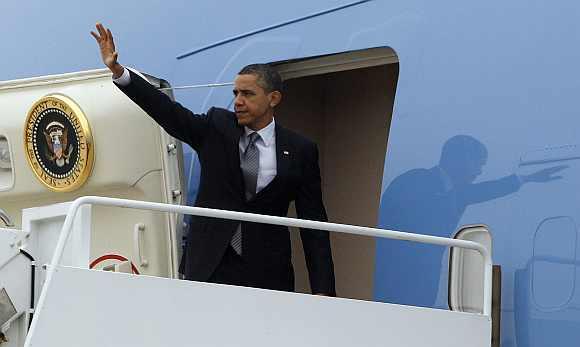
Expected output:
(489, 190)
(316, 243)
(178, 121)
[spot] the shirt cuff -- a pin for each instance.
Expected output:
(124, 80)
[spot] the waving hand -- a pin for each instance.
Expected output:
(107, 47)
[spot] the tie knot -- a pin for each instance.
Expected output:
(253, 137)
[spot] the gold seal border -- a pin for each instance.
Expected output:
(85, 127)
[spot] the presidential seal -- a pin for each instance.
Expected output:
(58, 143)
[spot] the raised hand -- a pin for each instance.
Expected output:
(107, 47)
(545, 175)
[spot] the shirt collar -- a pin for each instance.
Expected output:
(266, 133)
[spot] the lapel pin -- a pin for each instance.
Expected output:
(286, 153)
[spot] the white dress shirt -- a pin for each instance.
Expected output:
(266, 145)
(124, 79)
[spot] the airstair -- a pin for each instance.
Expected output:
(78, 306)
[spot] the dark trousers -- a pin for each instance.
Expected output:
(234, 270)
(231, 270)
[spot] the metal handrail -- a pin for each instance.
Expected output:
(5, 218)
(257, 218)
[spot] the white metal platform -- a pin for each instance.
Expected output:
(105, 309)
(82, 307)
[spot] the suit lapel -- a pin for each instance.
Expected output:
(282, 152)
(234, 157)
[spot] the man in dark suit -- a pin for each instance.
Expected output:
(250, 164)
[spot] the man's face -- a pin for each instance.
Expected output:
(473, 168)
(253, 105)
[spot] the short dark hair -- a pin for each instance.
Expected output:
(268, 77)
(462, 148)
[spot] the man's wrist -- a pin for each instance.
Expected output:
(117, 70)
(123, 80)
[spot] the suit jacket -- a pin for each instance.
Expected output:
(266, 248)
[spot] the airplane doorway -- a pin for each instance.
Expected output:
(344, 103)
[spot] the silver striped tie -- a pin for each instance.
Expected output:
(250, 165)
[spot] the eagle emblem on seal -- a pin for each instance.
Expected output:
(56, 135)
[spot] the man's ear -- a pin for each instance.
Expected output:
(275, 98)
